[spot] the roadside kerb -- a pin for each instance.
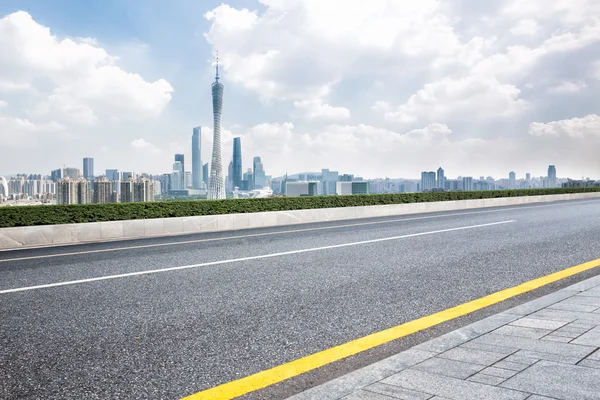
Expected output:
(52, 235)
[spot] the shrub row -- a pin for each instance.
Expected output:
(67, 214)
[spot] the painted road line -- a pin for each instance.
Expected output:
(234, 237)
(297, 367)
(285, 253)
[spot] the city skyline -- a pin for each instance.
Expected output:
(489, 109)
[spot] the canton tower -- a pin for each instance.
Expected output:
(216, 188)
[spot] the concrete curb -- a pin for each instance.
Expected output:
(55, 235)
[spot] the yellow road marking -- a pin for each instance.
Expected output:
(145, 246)
(294, 368)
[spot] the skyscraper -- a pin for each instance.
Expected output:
(88, 168)
(196, 158)
(441, 179)
(512, 180)
(216, 188)
(551, 176)
(428, 181)
(237, 162)
(258, 173)
(205, 174)
(180, 158)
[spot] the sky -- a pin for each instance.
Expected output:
(385, 88)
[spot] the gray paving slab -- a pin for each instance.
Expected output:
(513, 366)
(560, 381)
(590, 338)
(589, 363)
(560, 339)
(542, 302)
(511, 330)
(564, 349)
(521, 360)
(365, 395)
(488, 348)
(582, 300)
(473, 356)
(548, 356)
(540, 323)
(486, 379)
(397, 392)
(499, 372)
(570, 316)
(586, 284)
(573, 307)
(452, 388)
(594, 356)
(452, 368)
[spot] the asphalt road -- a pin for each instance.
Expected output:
(255, 299)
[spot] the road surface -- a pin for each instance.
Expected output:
(88, 321)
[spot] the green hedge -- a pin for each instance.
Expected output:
(67, 214)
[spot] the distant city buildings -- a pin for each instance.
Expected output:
(258, 174)
(301, 188)
(237, 163)
(73, 191)
(104, 191)
(72, 173)
(88, 168)
(428, 181)
(551, 176)
(348, 188)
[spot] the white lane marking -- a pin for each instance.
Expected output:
(144, 246)
(284, 253)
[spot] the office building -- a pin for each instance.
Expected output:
(347, 188)
(113, 175)
(188, 180)
(177, 177)
(528, 176)
(126, 191)
(301, 189)
(237, 162)
(205, 174)
(143, 189)
(258, 174)
(512, 180)
(441, 179)
(428, 181)
(88, 168)
(56, 175)
(181, 159)
(72, 173)
(551, 176)
(165, 183)
(248, 177)
(196, 158)
(329, 181)
(216, 188)
(125, 176)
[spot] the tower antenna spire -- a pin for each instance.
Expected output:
(217, 77)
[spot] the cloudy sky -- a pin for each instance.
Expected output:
(378, 88)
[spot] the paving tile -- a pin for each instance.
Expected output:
(536, 397)
(542, 302)
(397, 392)
(590, 364)
(594, 356)
(529, 322)
(455, 369)
(452, 388)
(560, 381)
(585, 325)
(586, 284)
(488, 348)
(568, 316)
(486, 379)
(521, 360)
(590, 338)
(360, 378)
(561, 339)
(499, 372)
(549, 356)
(510, 330)
(570, 333)
(473, 356)
(565, 349)
(365, 395)
(573, 307)
(513, 366)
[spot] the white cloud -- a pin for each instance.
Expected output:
(575, 127)
(3, 103)
(18, 132)
(525, 27)
(82, 81)
(142, 144)
(568, 87)
(315, 109)
(473, 97)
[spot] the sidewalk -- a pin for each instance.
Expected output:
(545, 349)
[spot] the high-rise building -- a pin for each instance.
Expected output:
(188, 180)
(88, 168)
(72, 173)
(428, 181)
(196, 158)
(441, 179)
(528, 176)
(230, 176)
(205, 174)
(104, 191)
(113, 175)
(467, 183)
(552, 176)
(512, 180)
(237, 162)
(349, 187)
(180, 158)
(127, 191)
(127, 175)
(176, 176)
(56, 175)
(301, 188)
(329, 179)
(73, 191)
(143, 189)
(258, 173)
(3, 187)
(216, 188)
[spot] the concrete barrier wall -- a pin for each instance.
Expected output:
(53, 235)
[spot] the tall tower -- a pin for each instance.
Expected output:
(237, 162)
(196, 159)
(216, 188)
